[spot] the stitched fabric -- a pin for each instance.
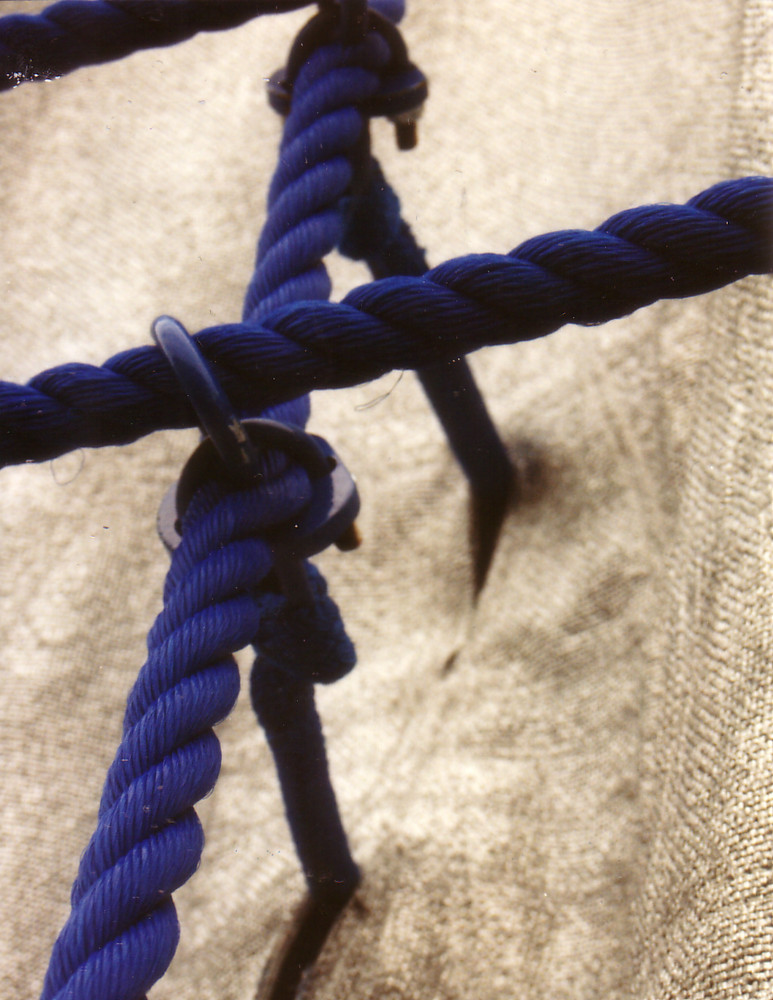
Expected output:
(560, 792)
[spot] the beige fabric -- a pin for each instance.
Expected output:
(562, 792)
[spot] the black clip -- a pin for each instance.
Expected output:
(232, 450)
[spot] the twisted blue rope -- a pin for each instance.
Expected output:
(122, 931)
(71, 34)
(635, 258)
(75, 33)
(315, 171)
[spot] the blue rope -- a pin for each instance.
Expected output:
(122, 930)
(315, 170)
(573, 276)
(75, 33)
(71, 34)
(318, 164)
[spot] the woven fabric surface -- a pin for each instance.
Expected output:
(561, 791)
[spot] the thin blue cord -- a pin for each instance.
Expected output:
(572, 276)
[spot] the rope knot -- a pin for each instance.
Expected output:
(308, 643)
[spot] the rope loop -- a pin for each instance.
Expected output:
(308, 643)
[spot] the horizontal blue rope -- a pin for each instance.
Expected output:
(75, 33)
(573, 276)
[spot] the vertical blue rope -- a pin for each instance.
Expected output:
(122, 931)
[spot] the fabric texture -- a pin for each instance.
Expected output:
(560, 791)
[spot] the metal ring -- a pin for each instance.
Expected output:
(293, 441)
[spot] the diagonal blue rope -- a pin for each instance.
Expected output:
(75, 33)
(122, 930)
(573, 276)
